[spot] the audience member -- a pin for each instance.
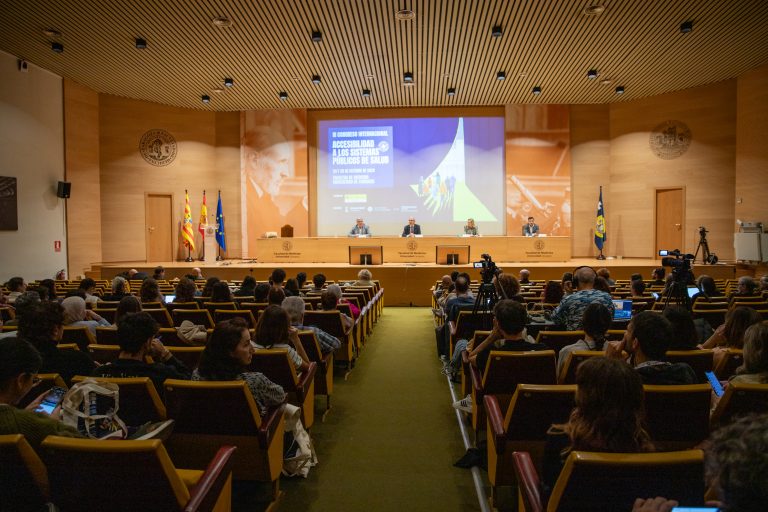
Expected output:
(442, 289)
(159, 273)
(570, 312)
(16, 286)
(75, 315)
(43, 292)
(636, 277)
(295, 307)
(208, 288)
(638, 288)
(684, 333)
(291, 288)
(247, 289)
(220, 292)
(277, 277)
(197, 274)
(602, 285)
(186, 290)
(301, 279)
(274, 331)
(463, 298)
(24, 303)
(50, 286)
(119, 290)
(755, 367)
(227, 356)
(150, 291)
(363, 278)
(19, 365)
(608, 417)
(707, 288)
(43, 326)
(318, 280)
(747, 287)
(606, 274)
(276, 295)
(335, 290)
(657, 277)
(135, 275)
(597, 320)
(88, 285)
(764, 283)
(136, 336)
(329, 302)
(128, 304)
(731, 333)
(552, 293)
(567, 283)
(507, 287)
(525, 275)
(261, 293)
(646, 340)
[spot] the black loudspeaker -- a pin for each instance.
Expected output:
(366, 259)
(63, 189)
(453, 259)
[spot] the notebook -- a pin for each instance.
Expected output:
(622, 309)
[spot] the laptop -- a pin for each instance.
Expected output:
(169, 298)
(692, 290)
(622, 310)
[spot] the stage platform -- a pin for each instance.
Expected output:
(405, 284)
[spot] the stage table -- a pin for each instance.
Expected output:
(412, 249)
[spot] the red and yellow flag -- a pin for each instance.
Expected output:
(186, 231)
(203, 223)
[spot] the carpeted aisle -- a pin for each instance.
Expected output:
(391, 438)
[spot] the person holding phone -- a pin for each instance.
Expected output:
(19, 365)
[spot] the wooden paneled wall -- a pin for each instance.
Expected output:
(81, 132)
(752, 145)
(208, 158)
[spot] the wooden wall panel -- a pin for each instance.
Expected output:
(207, 159)
(590, 164)
(81, 133)
(706, 169)
(751, 147)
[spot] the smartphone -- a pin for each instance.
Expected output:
(716, 386)
(51, 400)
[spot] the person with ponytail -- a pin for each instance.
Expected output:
(596, 322)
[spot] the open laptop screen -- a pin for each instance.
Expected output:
(622, 309)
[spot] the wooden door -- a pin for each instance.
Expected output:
(159, 227)
(670, 208)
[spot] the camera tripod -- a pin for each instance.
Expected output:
(706, 256)
(677, 294)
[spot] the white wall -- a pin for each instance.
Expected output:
(32, 151)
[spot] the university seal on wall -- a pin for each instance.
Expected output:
(670, 139)
(411, 245)
(158, 147)
(538, 245)
(287, 246)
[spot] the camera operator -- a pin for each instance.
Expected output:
(570, 312)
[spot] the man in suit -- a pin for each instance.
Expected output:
(411, 229)
(360, 228)
(531, 229)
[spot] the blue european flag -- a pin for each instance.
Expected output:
(220, 237)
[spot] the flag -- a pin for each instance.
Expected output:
(600, 235)
(203, 223)
(220, 238)
(186, 230)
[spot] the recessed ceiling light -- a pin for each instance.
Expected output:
(218, 90)
(283, 96)
(408, 77)
(620, 89)
(317, 36)
(536, 90)
(501, 75)
(451, 91)
(592, 74)
(141, 44)
(205, 98)
(366, 93)
(405, 15)
(594, 10)
(229, 82)
(497, 31)
(686, 26)
(606, 81)
(316, 79)
(221, 22)
(446, 75)
(51, 32)
(522, 74)
(369, 76)
(57, 47)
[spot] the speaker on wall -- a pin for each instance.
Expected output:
(366, 259)
(64, 189)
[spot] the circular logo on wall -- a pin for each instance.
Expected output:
(670, 139)
(158, 147)
(538, 245)
(411, 245)
(287, 246)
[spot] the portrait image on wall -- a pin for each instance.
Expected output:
(9, 217)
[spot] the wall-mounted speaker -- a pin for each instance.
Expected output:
(366, 259)
(63, 190)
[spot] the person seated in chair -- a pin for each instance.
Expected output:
(747, 287)
(597, 320)
(658, 277)
(119, 290)
(363, 278)
(136, 335)
(16, 286)
(274, 330)
(411, 229)
(471, 228)
(531, 228)
(76, 315)
(647, 340)
(295, 307)
(570, 312)
(360, 228)
(88, 285)
(329, 302)
(318, 283)
(247, 288)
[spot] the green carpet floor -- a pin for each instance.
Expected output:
(391, 437)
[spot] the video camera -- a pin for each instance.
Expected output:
(679, 262)
(488, 268)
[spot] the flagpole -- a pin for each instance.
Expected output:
(600, 256)
(189, 249)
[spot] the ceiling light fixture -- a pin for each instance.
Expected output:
(366, 93)
(594, 10)
(317, 36)
(686, 26)
(592, 74)
(405, 15)
(57, 47)
(451, 91)
(316, 79)
(141, 44)
(283, 96)
(536, 90)
(408, 77)
(606, 81)
(620, 89)
(205, 98)
(369, 76)
(51, 32)
(218, 90)
(497, 31)
(501, 75)
(229, 82)
(221, 22)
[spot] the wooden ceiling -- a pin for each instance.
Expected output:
(267, 49)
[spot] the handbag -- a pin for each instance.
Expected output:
(91, 407)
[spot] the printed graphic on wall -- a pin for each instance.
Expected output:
(9, 216)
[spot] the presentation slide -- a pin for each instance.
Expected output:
(440, 171)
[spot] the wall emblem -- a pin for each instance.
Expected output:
(670, 139)
(158, 147)
(287, 246)
(411, 245)
(538, 245)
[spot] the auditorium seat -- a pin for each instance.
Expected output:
(227, 314)
(572, 362)
(612, 481)
(465, 325)
(106, 335)
(324, 362)
(103, 353)
(740, 398)
(677, 417)
(171, 306)
(330, 322)
(700, 360)
(79, 335)
(161, 316)
(559, 339)
(196, 316)
(139, 400)
(23, 477)
(209, 414)
(727, 365)
(90, 474)
(189, 355)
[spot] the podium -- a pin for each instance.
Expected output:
(452, 254)
(209, 244)
(365, 255)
